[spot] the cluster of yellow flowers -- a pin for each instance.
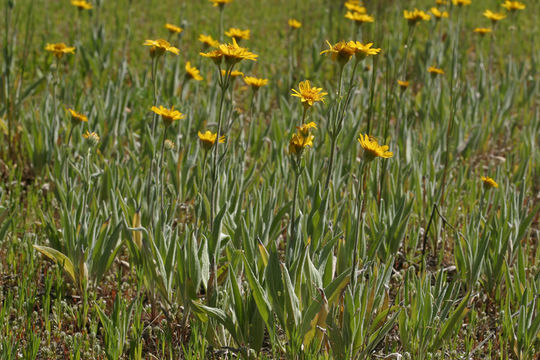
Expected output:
(301, 139)
(357, 13)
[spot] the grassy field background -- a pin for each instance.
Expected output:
(133, 247)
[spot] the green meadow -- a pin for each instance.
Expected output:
(223, 179)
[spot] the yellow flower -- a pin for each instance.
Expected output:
(173, 29)
(92, 137)
(208, 139)
(403, 84)
(494, 17)
(192, 72)
(482, 31)
(60, 49)
(355, 7)
(81, 4)
(489, 182)
(220, 3)
(159, 46)
(307, 94)
(77, 118)
(234, 73)
(438, 14)
(168, 115)
(215, 55)
(435, 71)
(362, 51)
(208, 41)
(341, 51)
(413, 17)
(372, 149)
(238, 34)
(299, 142)
(359, 18)
(234, 53)
(294, 24)
(305, 128)
(442, 2)
(513, 5)
(461, 2)
(254, 82)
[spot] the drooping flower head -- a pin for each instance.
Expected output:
(77, 118)
(294, 24)
(254, 82)
(220, 3)
(489, 183)
(372, 149)
(461, 2)
(192, 72)
(363, 50)
(298, 143)
(168, 115)
(238, 34)
(307, 94)
(59, 49)
(513, 5)
(81, 4)
(305, 129)
(208, 139)
(413, 17)
(159, 46)
(482, 31)
(173, 29)
(341, 51)
(208, 41)
(438, 14)
(359, 18)
(434, 71)
(493, 16)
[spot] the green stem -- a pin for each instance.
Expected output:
(292, 240)
(360, 203)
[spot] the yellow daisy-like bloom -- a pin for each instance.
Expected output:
(341, 51)
(220, 3)
(435, 71)
(363, 50)
(215, 55)
(92, 137)
(173, 29)
(403, 84)
(359, 18)
(234, 53)
(307, 94)
(192, 72)
(168, 115)
(159, 46)
(294, 24)
(234, 73)
(513, 5)
(208, 41)
(81, 4)
(355, 7)
(494, 17)
(77, 118)
(438, 14)
(254, 82)
(461, 2)
(305, 128)
(208, 139)
(441, 2)
(238, 34)
(60, 49)
(482, 31)
(489, 182)
(413, 17)
(299, 142)
(372, 149)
